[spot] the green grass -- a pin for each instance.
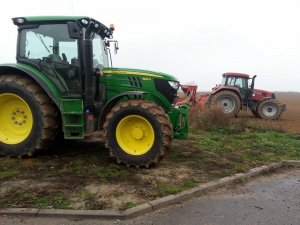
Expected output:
(87, 196)
(279, 144)
(57, 202)
(237, 152)
(129, 205)
(169, 188)
(8, 174)
(23, 198)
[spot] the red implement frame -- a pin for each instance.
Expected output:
(190, 92)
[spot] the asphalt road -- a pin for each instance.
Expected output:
(273, 199)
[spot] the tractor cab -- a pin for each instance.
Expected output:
(56, 50)
(237, 82)
(241, 83)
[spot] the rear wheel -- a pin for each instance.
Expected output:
(269, 109)
(27, 117)
(138, 133)
(228, 100)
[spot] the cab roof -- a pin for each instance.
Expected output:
(84, 21)
(45, 19)
(236, 75)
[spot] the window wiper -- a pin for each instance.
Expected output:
(41, 39)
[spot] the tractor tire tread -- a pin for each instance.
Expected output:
(50, 119)
(261, 114)
(214, 98)
(162, 118)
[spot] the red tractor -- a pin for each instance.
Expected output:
(237, 92)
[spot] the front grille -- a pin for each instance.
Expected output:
(163, 87)
(135, 82)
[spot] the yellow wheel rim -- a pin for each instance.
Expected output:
(135, 135)
(15, 119)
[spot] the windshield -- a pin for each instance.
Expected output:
(239, 82)
(99, 54)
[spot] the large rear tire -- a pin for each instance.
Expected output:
(28, 119)
(228, 100)
(269, 109)
(138, 133)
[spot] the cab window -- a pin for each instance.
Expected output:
(239, 82)
(50, 47)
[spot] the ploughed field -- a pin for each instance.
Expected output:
(290, 119)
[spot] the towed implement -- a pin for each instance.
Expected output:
(235, 93)
(63, 84)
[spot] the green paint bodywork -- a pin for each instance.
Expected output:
(116, 82)
(43, 77)
(179, 119)
(72, 118)
(71, 109)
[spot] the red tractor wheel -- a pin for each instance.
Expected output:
(228, 100)
(269, 109)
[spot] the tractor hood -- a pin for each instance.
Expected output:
(137, 72)
(259, 94)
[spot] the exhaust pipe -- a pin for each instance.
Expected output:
(89, 80)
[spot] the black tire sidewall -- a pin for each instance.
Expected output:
(30, 142)
(126, 158)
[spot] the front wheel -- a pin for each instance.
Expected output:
(269, 109)
(138, 133)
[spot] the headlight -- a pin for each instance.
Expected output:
(84, 21)
(20, 20)
(174, 84)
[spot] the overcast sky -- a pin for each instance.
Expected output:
(194, 40)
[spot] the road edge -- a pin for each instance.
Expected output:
(151, 205)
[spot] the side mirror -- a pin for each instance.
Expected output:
(74, 30)
(116, 45)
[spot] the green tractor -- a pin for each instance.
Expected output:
(63, 86)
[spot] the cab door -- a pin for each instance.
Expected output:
(242, 84)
